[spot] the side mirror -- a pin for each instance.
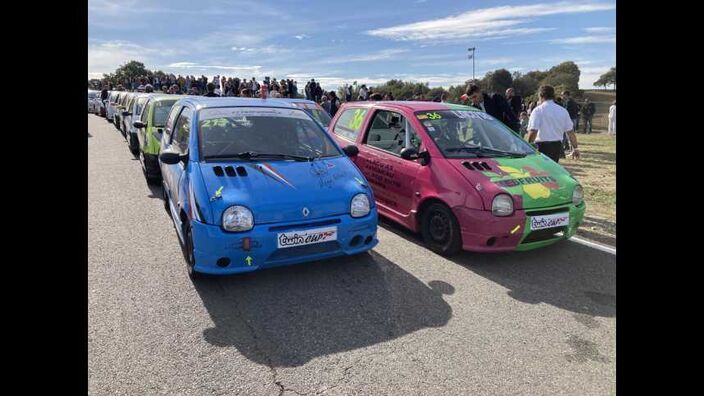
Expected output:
(138, 124)
(424, 157)
(171, 157)
(351, 150)
(409, 153)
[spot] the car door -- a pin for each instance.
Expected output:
(165, 143)
(144, 117)
(179, 143)
(393, 178)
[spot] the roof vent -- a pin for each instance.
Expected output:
(218, 171)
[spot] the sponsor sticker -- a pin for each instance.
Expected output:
(549, 221)
(307, 237)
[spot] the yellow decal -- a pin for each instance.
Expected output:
(533, 190)
(356, 122)
(513, 231)
(433, 116)
(248, 260)
(422, 117)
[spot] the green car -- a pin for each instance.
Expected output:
(150, 129)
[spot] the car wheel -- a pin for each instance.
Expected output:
(440, 230)
(189, 255)
(134, 148)
(165, 197)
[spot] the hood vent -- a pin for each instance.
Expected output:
(476, 165)
(230, 171)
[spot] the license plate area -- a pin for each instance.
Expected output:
(295, 238)
(549, 221)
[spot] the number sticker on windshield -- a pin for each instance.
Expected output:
(433, 116)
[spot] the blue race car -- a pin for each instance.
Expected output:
(257, 183)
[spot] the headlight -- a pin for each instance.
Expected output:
(577, 195)
(360, 205)
(237, 218)
(502, 205)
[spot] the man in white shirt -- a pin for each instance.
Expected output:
(547, 125)
(612, 119)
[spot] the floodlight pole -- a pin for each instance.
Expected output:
(472, 49)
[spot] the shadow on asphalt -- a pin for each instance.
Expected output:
(154, 190)
(287, 316)
(566, 275)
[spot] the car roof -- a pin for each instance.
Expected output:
(412, 105)
(201, 102)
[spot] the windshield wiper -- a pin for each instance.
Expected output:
(480, 151)
(253, 154)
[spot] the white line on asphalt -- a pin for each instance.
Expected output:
(599, 246)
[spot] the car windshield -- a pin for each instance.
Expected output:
(161, 112)
(467, 134)
(318, 113)
(249, 132)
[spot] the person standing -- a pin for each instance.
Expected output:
(547, 125)
(211, 90)
(612, 119)
(495, 105)
(515, 102)
(588, 110)
(334, 103)
(363, 92)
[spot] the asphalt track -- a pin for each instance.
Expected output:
(399, 321)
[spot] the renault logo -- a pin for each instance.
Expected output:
(305, 212)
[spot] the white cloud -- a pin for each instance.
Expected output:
(106, 56)
(234, 68)
(269, 49)
(301, 36)
(599, 29)
(485, 22)
(585, 40)
(374, 56)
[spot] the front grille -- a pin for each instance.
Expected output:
(544, 234)
(304, 250)
(304, 225)
(544, 212)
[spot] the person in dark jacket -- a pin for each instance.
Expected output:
(494, 105)
(211, 90)
(515, 102)
(334, 103)
(588, 110)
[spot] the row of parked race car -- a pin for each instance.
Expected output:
(257, 183)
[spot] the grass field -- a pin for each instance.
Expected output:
(596, 170)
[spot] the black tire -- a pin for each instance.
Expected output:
(188, 253)
(165, 197)
(440, 230)
(134, 147)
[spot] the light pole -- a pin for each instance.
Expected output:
(471, 56)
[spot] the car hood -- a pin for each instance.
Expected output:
(534, 181)
(278, 191)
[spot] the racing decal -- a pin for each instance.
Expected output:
(515, 229)
(248, 260)
(217, 195)
(433, 116)
(356, 122)
(535, 187)
(269, 170)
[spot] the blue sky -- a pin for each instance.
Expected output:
(341, 41)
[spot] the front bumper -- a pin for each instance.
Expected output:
(211, 244)
(484, 232)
